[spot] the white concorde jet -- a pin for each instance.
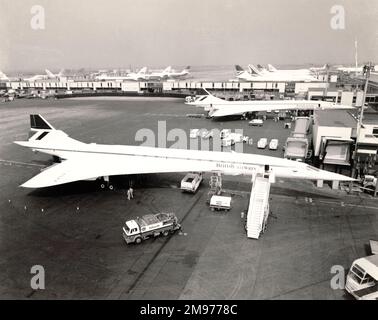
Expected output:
(90, 161)
(221, 108)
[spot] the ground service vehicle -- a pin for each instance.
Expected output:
(150, 225)
(261, 144)
(362, 279)
(273, 145)
(220, 203)
(191, 182)
(256, 122)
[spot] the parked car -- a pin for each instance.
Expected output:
(256, 122)
(262, 143)
(273, 145)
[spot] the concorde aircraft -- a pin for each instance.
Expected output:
(90, 161)
(221, 108)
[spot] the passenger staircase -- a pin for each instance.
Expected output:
(258, 209)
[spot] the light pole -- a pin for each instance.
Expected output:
(366, 71)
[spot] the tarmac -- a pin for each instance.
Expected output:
(75, 231)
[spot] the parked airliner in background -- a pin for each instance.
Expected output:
(90, 161)
(158, 75)
(54, 75)
(289, 71)
(358, 69)
(172, 74)
(221, 108)
(133, 76)
(3, 76)
(256, 74)
(319, 69)
(48, 75)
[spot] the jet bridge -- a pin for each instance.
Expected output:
(258, 209)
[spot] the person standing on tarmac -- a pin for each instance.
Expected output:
(130, 193)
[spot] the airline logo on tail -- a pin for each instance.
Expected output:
(239, 69)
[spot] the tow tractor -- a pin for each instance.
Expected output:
(150, 225)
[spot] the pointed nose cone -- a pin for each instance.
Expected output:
(318, 174)
(304, 171)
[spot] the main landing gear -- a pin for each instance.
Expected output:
(105, 183)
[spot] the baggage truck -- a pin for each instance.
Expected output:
(191, 182)
(150, 225)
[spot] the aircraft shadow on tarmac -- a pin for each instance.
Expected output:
(121, 182)
(284, 191)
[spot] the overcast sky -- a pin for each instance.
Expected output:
(123, 33)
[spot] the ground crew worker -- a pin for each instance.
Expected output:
(130, 193)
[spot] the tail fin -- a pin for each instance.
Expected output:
(37, 122)
(253, 69)
(167, 70)
(271, 68)
(143, 70)
(239, 68)
(61, 72)
(49, 73)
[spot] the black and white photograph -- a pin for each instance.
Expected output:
(202, 150)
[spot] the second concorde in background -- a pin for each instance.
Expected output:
(221, 108)
(90, 161)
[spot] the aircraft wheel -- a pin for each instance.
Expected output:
(111, 187)
(102, 185)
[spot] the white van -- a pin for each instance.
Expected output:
(273, 145)
(262, 143)
(256, 122)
